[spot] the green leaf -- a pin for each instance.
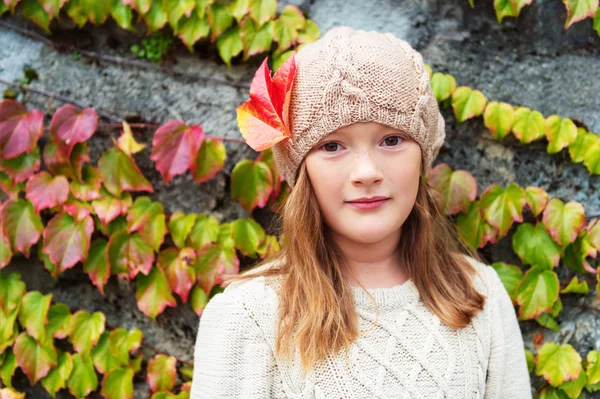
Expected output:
(499, 119)
(120, 173)
(85, 330)
(467, 103)
(504, 8)
(128, 255)
(175, 9)
(529, 125)
(96, 266)
(239, 9)
(458, 189)
(153, 293)
(33, 10)
(155, 18)
(198, 300)
(563, 221)
(593, 367)
(57, 377)
(180, 226)
(309, 34)
(59, 321)
(5, 251)
(148, 218)
(83, 379)
(21, 225)
(109, 207)
(502, 207)
(576, 287)
(230, 44)
(573, 388)
(220, 19)
(262, 10)
(537, 199)
(256, 40)
(597, 21)
(209, 160)
(592, 157)
(535, 246)
(122, 14)
(118, 384)
(212, 262)
(123, 342)
(578, 10)
(285, 28)
(9, 365)
(177, 266)
(558, 363)
(511, 277)
(545, 320)
(474, 229)
(537, 292)
(443, 85)
(248, 236)
(560, 133)
(251, 184)
(161, 373)
(52, 7)
(581, 146)
(105, 359)
(205, 231)
(33, 358)
(191, 29)
(33, 314)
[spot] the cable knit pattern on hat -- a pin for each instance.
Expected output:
(350, 76)
(409, 354)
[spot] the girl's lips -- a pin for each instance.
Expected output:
(368, 205)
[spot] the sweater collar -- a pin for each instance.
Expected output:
(394, 296)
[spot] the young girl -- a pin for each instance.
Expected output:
(371, 295)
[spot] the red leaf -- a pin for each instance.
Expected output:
(72, 126)
(19, 129)
(263, 120)
(174, 148)
(46, 192)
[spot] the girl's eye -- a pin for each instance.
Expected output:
(332, 146)
(393, 142)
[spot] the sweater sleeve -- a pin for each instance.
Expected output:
(507, 376)
(231, 357)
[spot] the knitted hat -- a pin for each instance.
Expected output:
(350, 76)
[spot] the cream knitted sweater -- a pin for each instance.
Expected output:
(410, 354)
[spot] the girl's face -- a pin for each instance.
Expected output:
(365, 159)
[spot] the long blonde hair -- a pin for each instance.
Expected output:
(315, 296)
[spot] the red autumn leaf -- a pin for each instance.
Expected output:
(19, 129)
(21, 225)
(59, 164)
(174, 148)
(108, 207)
(46, 192)
(72, 126)
(128, 254)
(263, 120)
(212, 262)
(67, 240)
(176, 265)
(23, 166)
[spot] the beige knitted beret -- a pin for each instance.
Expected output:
(350, 76)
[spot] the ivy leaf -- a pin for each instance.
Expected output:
(255, 39)
(174, 147)
(576, 287)
(239, 9)
(474, 229)
(310, 33)
(574, 388)
(576, 254)
(12, 290)
(458, 189)
(592, 157)
(251, 184)
(467, 103)
(593, 229)
(152, 293)
(21, 225)
(502, 207)
(123, 342)
(212, 262)
(46, 192)
(205, 231)
(88, 188)
(536, 198)
(504, 8)
(578, 10)
(33, 315)
(109, 207)
(175, 9)
(120, 173)
(537, 292)
(122, 14)
(161, 373)
(70, 126)
(560, 133)
(229, 44)
(96, 11)
(177, 268)
(262, 11)
(85, 330)
(83, 379)
(593, 367)
(21, 167)
(269, 247)
(35, 359)
(118, 384)
(11, 4)
(59, 321)
(219, 19)
(191, 29)
(5, 251)
(557, 363)
(248, 236)
(67, 240)
(597, 21)
(511, 277)
(19, 130)
(499, 119)
(443, 85)
(96, 265)
(266, 156)
(535, 246)
(156, 17)
(56, 379)
(59, 164)
(128, 254)
(141, 6)
(75, 10)
(127, 143)
(286, 27)
(582, 145)
(33, 11)
(529, 125)
(564, 222)
(180, 226)
(10, 188)
(198, 300)
(103, 358)
(263, 120)
(148, 218)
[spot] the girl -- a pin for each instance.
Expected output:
(371, 295)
